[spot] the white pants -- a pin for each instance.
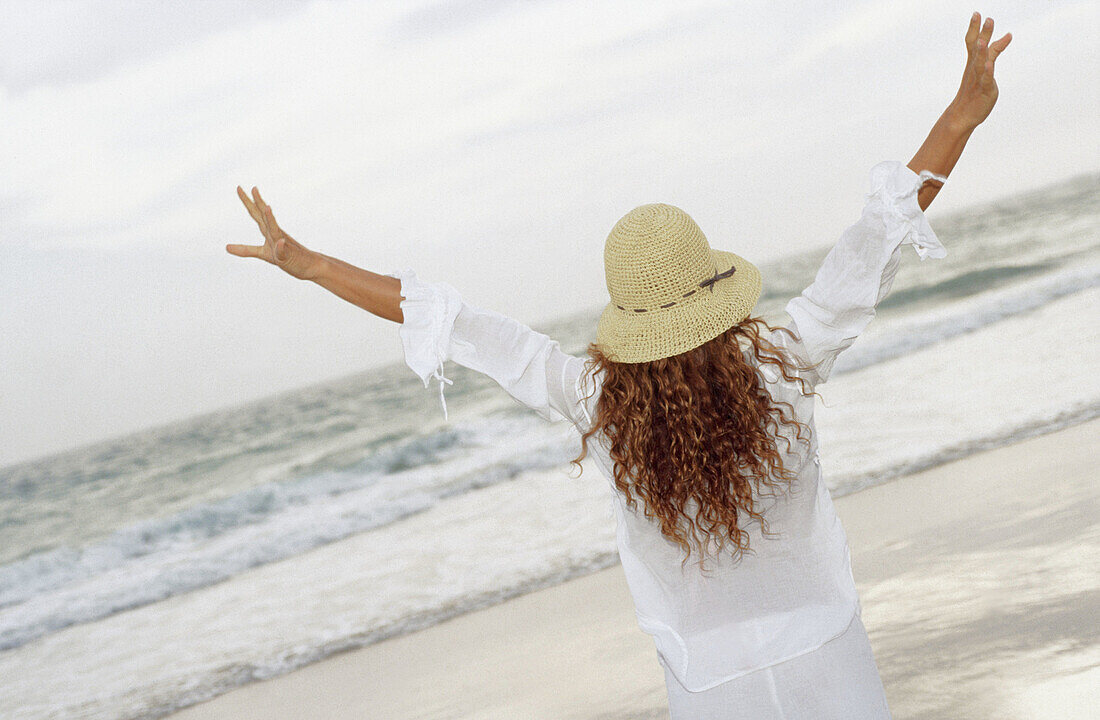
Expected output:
(838, 681)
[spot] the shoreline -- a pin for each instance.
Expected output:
(975, 590)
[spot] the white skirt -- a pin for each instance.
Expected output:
(838, 681)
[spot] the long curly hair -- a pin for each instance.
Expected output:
(691, 433)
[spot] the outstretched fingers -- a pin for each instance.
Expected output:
(987, 31)
(268, 216)
(997, 46)
(244, 250)
(278, 246)
(991, 52)
(978, 89)
(972, 32)
(260, 204)
(250, 206)
(256, 214)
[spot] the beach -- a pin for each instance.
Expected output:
(228, 488)
(343, 550)
(978, 582)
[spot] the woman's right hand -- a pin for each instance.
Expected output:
(978, 91)
(278, 248)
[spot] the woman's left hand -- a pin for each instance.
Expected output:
(978, 90)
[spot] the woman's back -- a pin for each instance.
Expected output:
(792, 590)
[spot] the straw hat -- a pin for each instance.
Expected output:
(670, 292)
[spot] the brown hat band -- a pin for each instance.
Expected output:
(709, 282)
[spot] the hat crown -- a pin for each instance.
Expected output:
(654, 255)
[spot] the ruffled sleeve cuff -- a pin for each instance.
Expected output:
(894, 188)
(429, 311)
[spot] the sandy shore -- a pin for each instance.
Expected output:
(980, 585)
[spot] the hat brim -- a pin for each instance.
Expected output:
(628, 336)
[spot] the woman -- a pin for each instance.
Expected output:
(703, 420)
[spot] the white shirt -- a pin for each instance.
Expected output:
(793, 590)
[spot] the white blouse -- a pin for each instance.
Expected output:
(791, 592)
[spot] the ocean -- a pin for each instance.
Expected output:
(145, 573)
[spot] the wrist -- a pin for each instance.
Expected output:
(957, 121)
(321, 267)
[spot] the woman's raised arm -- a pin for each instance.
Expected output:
(377, 294)
(859, 270)
(972, 104)
(439, 326)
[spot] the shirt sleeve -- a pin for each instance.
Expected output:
(859, 270)
(439, 326)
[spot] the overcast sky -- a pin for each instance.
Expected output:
(489, 144)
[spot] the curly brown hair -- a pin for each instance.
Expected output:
(698, 429)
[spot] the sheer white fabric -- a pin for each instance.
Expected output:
(837, 681)
(793, 592)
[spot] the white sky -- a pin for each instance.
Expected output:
(490, 144)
